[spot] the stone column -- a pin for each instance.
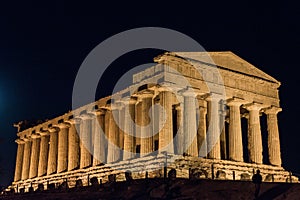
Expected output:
(113, 153)
(62, 156)
(146, 124)
(223, 145)
(129, 141)
(121, 121)
(138, 122)
(52, 157)
(201, 132)
(189, 123)
(26, 158)
(254, 133)
(100, 141)
(235, 130)
(179, 135)
(34, 158)
(44, 151)
(166, 132)
(74, 144)
(213, 135)
(19, 159)
(273, 136)
(85, 141)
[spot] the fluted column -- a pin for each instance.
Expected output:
(235, 130)
(201, 133)
(213, 135)
(85, 141)
(166, 132)
(121, 122)
(254, 133)
(52, 157)
(179, 135)
(26, 158)
(19, 159)
(273, 136)
(100, 141)
(189, 123)
(138, 119)
(34, 158)
(113, 153)
(223, 141)
(129, 141)
(62, 156)
(43, 157)
(146, 124)
(74, 144)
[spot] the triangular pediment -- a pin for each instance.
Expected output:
(227, 60)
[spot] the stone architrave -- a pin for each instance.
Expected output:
(254, 133)
(189, 123)
(19, 159)
(273, 136)
(53, 150)
(34, 158)
(235, 130)
(44, 151)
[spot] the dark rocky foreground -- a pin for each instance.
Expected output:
(181, 189)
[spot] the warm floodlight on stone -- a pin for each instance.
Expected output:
(162, 126)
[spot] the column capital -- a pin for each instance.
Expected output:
(86, 116)
(128, 100)
(142, 96)
(27, 139)
(19, 141)
(74, 121)
(272, 110)
(63, 125)
(235, 101)
(188, 92)
(98, 112)
(53, 129)
(162, 89)
(254, 106)
(35, 135)
(212, 96)
(42, 132)
(145, 94)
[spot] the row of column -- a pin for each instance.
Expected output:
(60, 149)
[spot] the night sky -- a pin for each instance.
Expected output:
(42, 46)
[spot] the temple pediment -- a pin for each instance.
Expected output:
(224, 59)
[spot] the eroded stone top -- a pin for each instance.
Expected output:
(225, 59)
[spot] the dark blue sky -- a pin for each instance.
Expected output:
(43, 43)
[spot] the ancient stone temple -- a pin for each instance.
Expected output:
(207, 118)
